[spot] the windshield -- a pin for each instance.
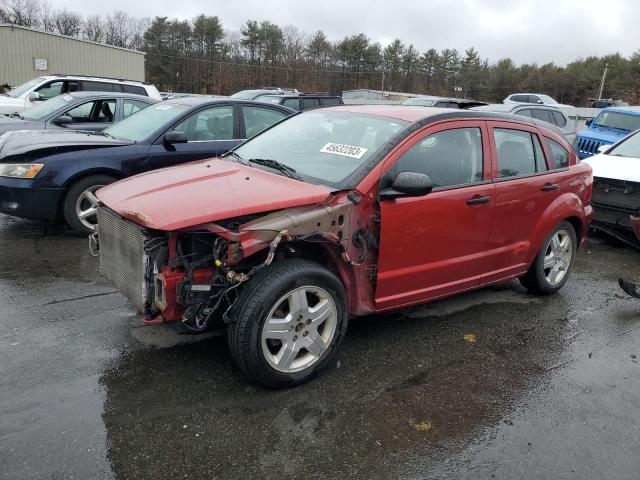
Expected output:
(16, 92)
(423, 102)
(145, 122)
(324, 146)
(630, 147)
(547, 99)
(245, 94)
(623, 121)
(42, 110)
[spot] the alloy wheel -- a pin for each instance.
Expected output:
(557, 257)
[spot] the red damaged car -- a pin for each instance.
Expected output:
(340, 212)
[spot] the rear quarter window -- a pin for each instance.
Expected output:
(134, 89)
(559, 118)
(559, 155)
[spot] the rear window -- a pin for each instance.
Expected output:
(559, 156)
(559, 118)
(134, 89)
(330, 101)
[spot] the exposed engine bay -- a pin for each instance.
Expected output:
(194, 275)
(616, 202)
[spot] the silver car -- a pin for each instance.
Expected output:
(545, 113)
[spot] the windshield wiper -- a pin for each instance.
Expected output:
(238, 157)
(276, 165)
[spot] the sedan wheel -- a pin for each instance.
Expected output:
(80, 204)
(87, 207)
(298, 329)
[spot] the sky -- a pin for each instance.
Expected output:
(526, 31)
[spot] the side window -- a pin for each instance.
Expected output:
(559, 156)
(559, 118)
(96, 111)
(82, 113)
(542, 114)
(524, 113)
(516, 156)
(541, 162)
(99, 87)
(330, 101)
(442, 104)
(520, 98)
(211, 124)
(132, 106)
(257, 119)
(534, 99)
(450, 157)
(292, 103)
(134, 89)
(310, 103)
(51, 90)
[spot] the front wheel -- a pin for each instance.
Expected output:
(288, 323)
(80, 204)
(553, 264)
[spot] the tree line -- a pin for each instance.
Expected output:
(201, 56)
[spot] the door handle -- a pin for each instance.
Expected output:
(549, 187)
(478, 200)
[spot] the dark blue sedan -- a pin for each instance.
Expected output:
(52, 175)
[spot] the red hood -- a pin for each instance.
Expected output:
(205, 191)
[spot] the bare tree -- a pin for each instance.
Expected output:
(68, 23)
(295, 44)
(47, 16)
(25, 13)
(93, 28)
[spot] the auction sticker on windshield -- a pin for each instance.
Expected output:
(345, 150)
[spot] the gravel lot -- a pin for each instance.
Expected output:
(493, 384)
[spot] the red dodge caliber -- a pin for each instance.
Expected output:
(339, 212)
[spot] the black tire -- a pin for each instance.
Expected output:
(535, 279)
(254, 303)
(71, 199)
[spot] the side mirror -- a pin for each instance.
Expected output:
(588, 122)
(539, 101)
(175, 136)
(408, 184)
(34, 97)
(62, 120)
(603, 148)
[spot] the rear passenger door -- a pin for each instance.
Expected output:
(255, 119)
(525, 187)
(434, 245)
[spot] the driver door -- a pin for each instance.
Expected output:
(433, 246)
(210, 132)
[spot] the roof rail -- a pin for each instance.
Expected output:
(279, 89)
(98, 76)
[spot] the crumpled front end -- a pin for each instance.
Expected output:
(617, 209)
(193, 275)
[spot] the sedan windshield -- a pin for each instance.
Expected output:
(323, 145)
(16, 92)
(42, 110)
(623, 121)
(140, 126)
(422, 102)
(628, 148)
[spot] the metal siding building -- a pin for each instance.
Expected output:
(27, 54)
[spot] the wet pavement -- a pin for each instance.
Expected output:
(492, 384)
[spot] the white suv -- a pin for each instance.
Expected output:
(44, 88)
(541, 99)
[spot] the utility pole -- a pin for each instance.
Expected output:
(382, 87)
(604, 75)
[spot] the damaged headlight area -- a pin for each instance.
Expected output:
(616, 204)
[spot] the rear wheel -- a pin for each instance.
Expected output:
(552, 266)
(288, 323)
(80, 204)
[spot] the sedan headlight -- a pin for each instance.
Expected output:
(20, 170)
